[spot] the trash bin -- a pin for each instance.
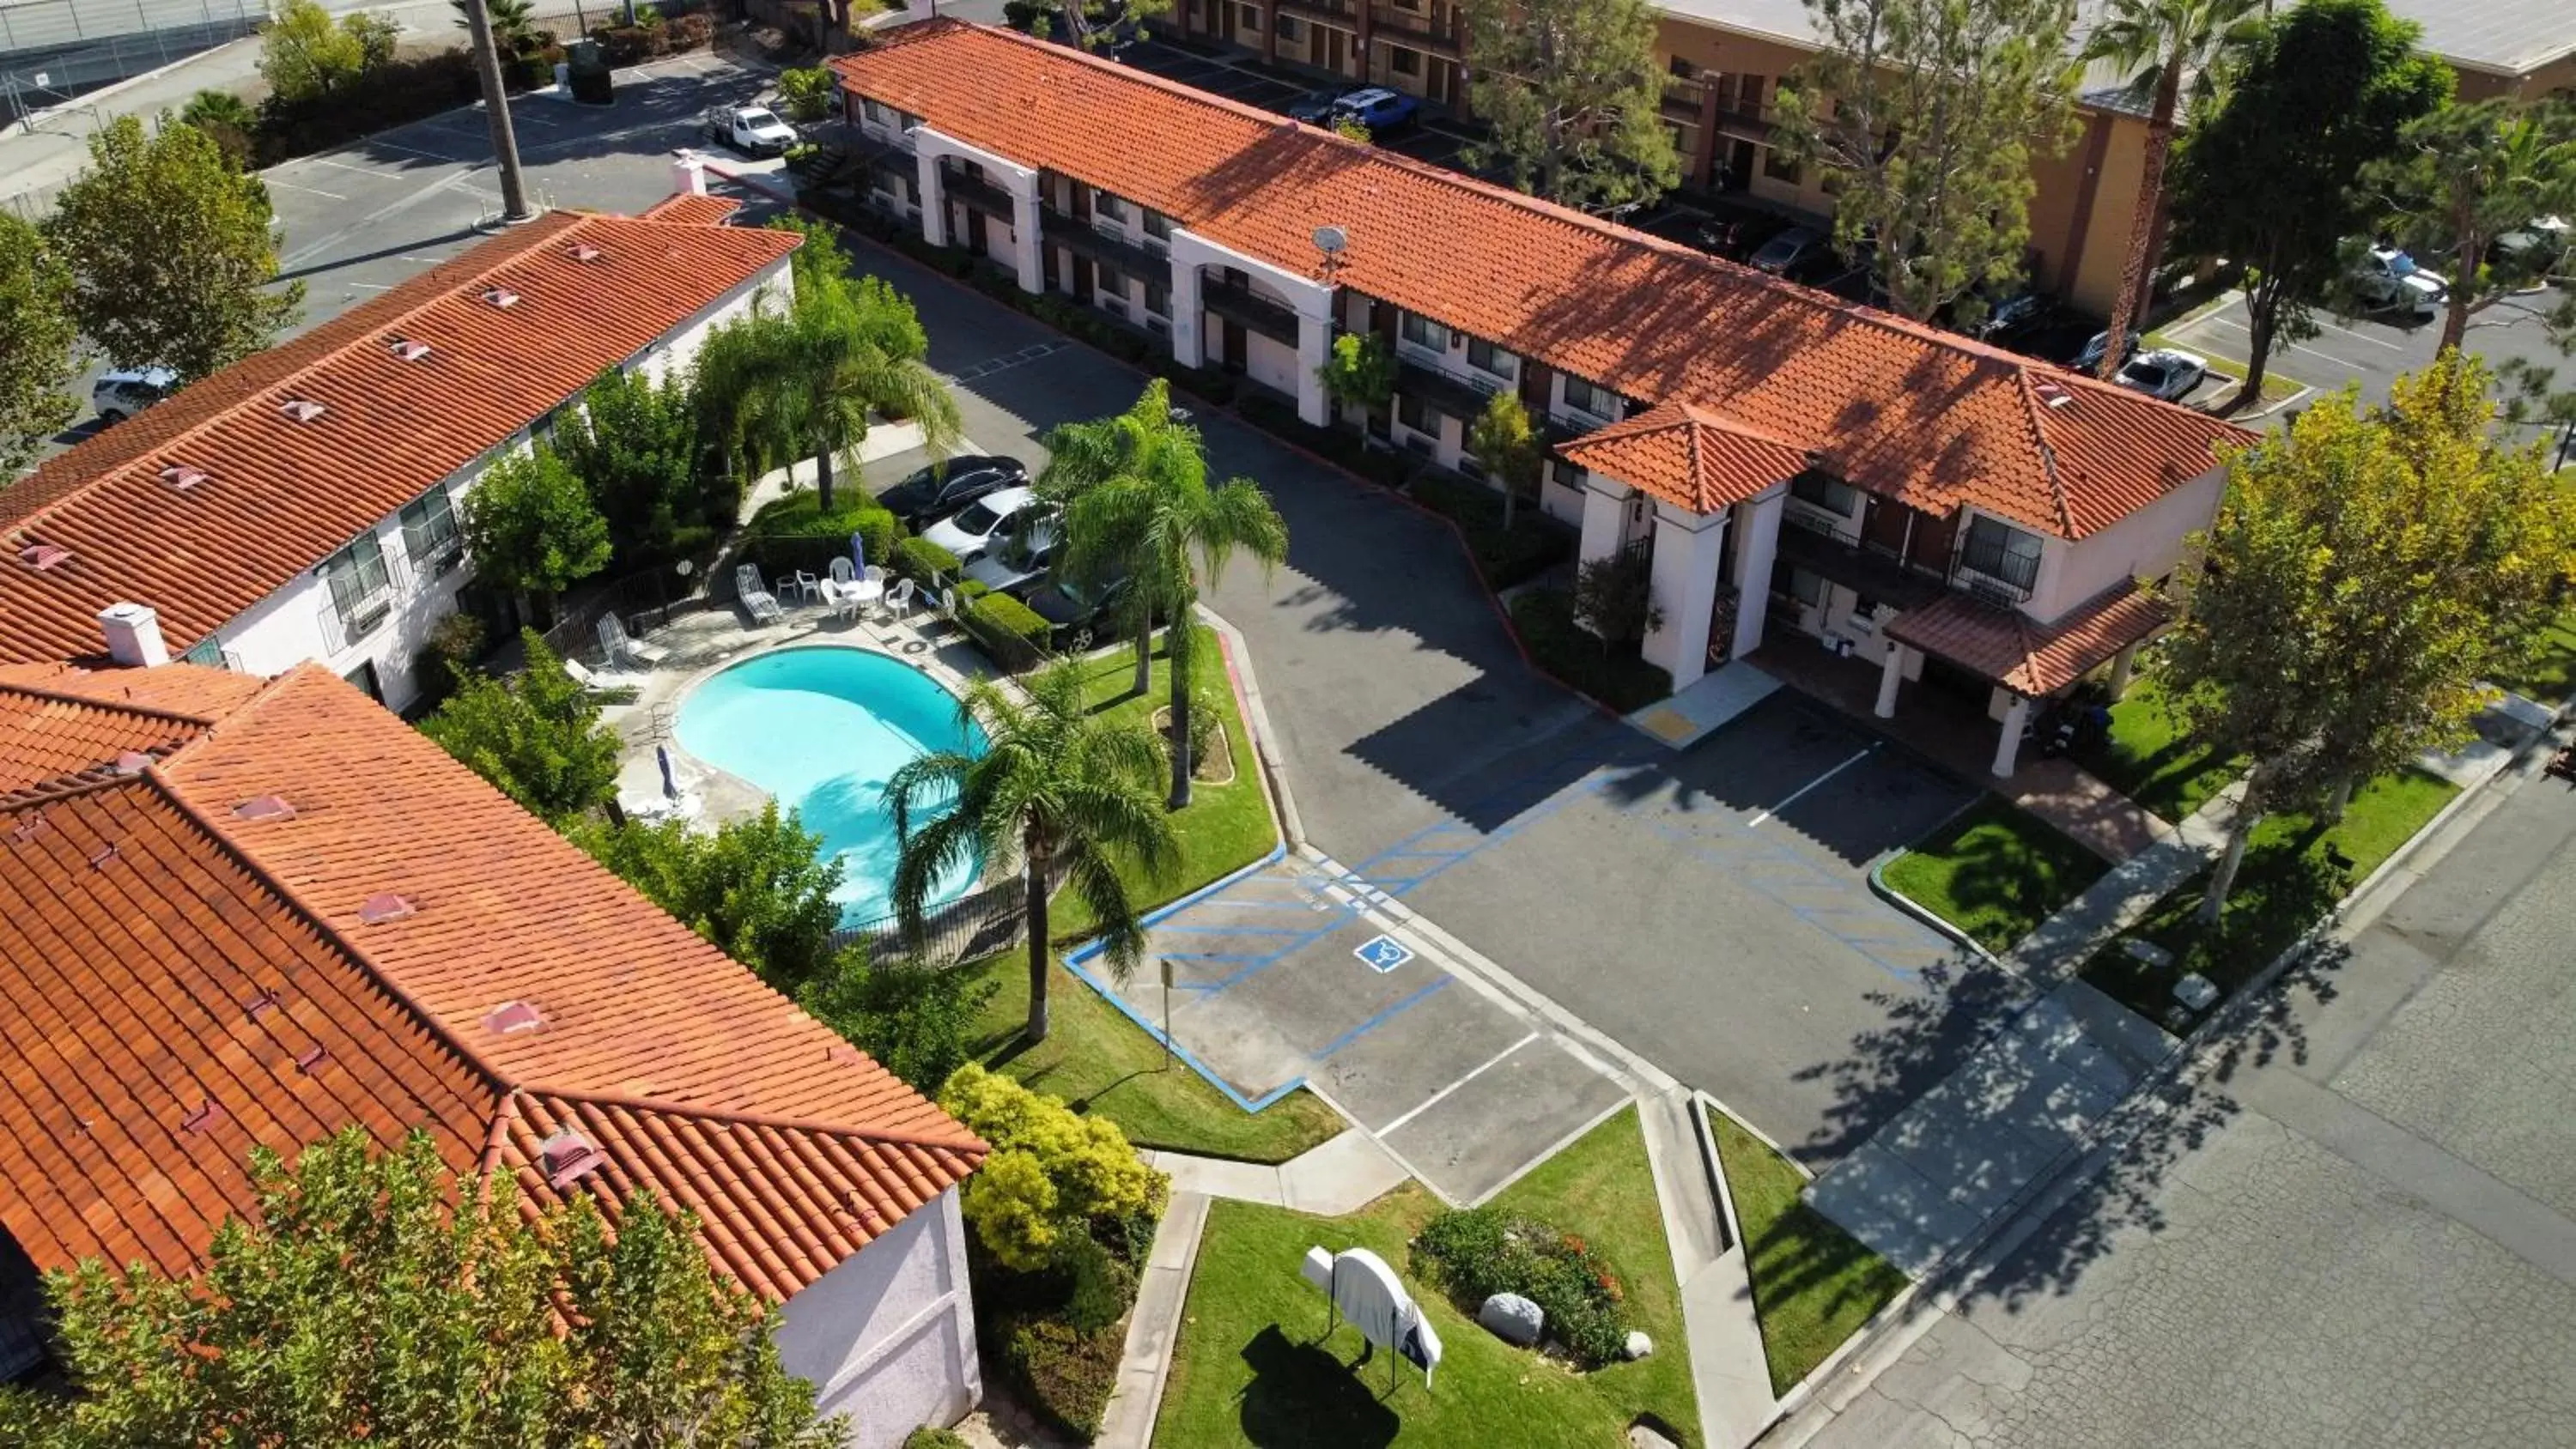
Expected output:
(586, 66)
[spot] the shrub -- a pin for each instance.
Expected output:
(794, 532)
(1482, 1252)
(1544, 619)
(396, 93)
(931, 1436)
(806, 94)
(448, 659)
(1207, 719)
(917, 1022)
(1504, 556)
(1102, 1286)
(692, 31)
(1051, 1172)
(1067, 1375)
(1615, 596)
(923, 562)
(1008, 630)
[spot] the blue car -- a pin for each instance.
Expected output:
(1381, 110)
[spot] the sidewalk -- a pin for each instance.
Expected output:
(1729, 1373)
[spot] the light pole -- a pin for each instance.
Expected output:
(496, 103)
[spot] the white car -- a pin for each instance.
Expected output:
(752, 130)
(1019, 563)
(2165, 374)
(2387, 279)
(984, 524)
(121, 394)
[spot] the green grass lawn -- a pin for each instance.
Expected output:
(2549, 674)
(1995, 872)
(1225, 828)
(1099, 1061)
(2295, 869)
(1253, 1366)
(2149, 759)
(1814, 1285)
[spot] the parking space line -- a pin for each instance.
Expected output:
(2362, 336)
(1434, 1100)
(1383, 1017)
(308, 190)
(1865, 752)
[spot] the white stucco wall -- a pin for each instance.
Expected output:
(888, 1337)
(2145, 545)
(1270, 362)
(287, 628)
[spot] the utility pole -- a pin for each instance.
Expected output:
(496, 105)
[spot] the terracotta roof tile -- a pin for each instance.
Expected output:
(1894, 407)
(1689, 457)
(49, 741)
(279, 496)
(203, 695)
(133, 982)
(2028, 658)
(693, 209)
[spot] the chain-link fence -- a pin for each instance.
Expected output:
(52, 50)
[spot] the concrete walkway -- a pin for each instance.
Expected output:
(2089, 812)
(1729, 1371)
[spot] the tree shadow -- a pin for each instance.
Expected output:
(1305, 1393)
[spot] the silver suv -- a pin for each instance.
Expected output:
(121, 394)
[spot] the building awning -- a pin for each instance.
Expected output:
(2026, 657)
(1689, 457)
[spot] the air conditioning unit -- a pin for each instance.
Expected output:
(1486, 385)
(1159, 326)
(369, 615)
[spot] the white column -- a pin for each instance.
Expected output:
(934, 197)
(1314, 349)
(2123, 664)
(2008, 749)
(1891, 675)
(1189, 314)
(1605, 517)
(1027, 238)
(1757, 541)
(1689, 554)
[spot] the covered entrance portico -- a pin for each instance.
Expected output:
(2024, 662)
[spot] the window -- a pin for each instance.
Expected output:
(878, 113)
(1806, 588)
(1487, 358)
(209, 652)
(359, 582)
(1248, 17)
(1287, 27)
(1683, 69)
(2001, 551)
(429, 531)
(1108, 207)
(1157, 226)
(1410, 412)
(1825, 493)
(1564, 474)
(1778, 166)
(1421, 331)
(1403, 61)
(1592, 401)
(1158, 299)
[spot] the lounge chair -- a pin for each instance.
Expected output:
(593, 683)
(756, 600)
(625, 650)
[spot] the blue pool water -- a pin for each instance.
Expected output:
(823, 729)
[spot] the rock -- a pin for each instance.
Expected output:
(1637, 1346)
(1512, 1318)
(1641, 1437)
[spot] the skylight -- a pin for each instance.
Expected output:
(43, 556)
(406, 349)
(183, 477)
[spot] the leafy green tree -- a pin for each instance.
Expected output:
(1614, 596)
(1508, 449)
(226, 118)
(757, 888)
(1360, 373)
(1058, 1173)
(1137, 501)
(171, 252)
(918, 1022)
(2161, 44)
(1091, 24)
(2464, 175)
(530, 526)
(1061, 789)
(633, 443)
(375, 1298)
(803, 381)
(1574, 98)
(808, 94)
(2365, 571)
(514, 23)
(2265, 179)
(1924, 117)
(39, 345)
(535, 736)
(305, 52)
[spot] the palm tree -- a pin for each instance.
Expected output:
(1137, 498)
(1063, 789)
(2159, 42)
(513, 21)
(1138, 442)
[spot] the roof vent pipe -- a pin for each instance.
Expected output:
(133, 636)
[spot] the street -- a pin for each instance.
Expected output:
(2358, 1226)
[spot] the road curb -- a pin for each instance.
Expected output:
(1879, 887)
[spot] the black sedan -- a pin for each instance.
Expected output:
(942, 488)
(1074, 610)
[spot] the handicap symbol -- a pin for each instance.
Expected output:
(1382, 953)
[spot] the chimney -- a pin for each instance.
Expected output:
(689, 174)
(133, 635)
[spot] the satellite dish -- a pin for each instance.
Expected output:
(1332, 241)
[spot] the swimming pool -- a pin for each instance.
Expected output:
(823, 729)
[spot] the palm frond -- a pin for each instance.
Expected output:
(1093, 879)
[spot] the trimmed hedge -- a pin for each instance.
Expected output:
(923, 562)
(793, 532)
(1385, 467)
(931, 1436)
(1533, 544)
(1480, 1253)
(1008, 630)
(1612, 674)
(396, 93)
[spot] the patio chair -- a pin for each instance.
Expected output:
(802, 582)
(601, 682)
(624, 650)
(872, 586)
(899, 603)
(843, 571)
(756, 600)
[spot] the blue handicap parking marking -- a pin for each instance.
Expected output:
(1382, 953)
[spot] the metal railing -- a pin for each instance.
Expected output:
(644, 602)
(2016, 573)
(974, 925)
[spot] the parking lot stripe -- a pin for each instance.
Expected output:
(1865, 752)
(308, 190)
(1427, 1103)
(1382, 1018)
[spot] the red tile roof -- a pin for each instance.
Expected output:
(1895, 407)
(2027, 658)
(132, 980)
(280, 496)
(1689, 456)
(693, 209)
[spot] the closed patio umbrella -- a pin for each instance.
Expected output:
(670, 782)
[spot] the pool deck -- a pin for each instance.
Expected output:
(701, 643)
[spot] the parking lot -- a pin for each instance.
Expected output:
(1435, 138)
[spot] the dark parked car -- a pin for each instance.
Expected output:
(2016, 316)
(1383, 111)
(1316, 108)
(942, 488)
(1073, 610)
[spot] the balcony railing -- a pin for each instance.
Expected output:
(1340, 12)
(1441, 36)
(983, 195)
(1241, 304)
(1089, 241)
(367, 613)
(2008, 576)
(1812, 542)
(1682, 100)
